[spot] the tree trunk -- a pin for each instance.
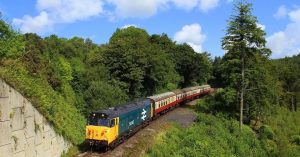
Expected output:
(241, 108)
(296, 103)
(242, 90)
(292, 103)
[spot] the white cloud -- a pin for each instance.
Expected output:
(281, 12)
(206, 5)
(137, 8)
(34, 24)
(58, 11)
(186, 4)
(286, 42)
(203, 5)
(129, 25)
(192, 35)
(295, 16)
(147, 8)
(52, 12)
(263, 27)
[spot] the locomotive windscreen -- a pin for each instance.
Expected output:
(99, 120)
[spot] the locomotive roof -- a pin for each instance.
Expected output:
(122, 109)
(161, 96)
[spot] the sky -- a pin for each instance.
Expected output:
(200, 23)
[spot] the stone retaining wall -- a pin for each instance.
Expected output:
(24, 132)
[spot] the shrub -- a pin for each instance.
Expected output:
(295, 139)
(210, 136)
(266, 132)
(270, 147)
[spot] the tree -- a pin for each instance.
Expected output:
(193, 68)
(287, 70)
(126, 58)
(11, 42)
(161, 75)
(246, 54)
(141, 64)
(216, 73)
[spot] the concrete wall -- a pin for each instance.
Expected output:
(24, 132)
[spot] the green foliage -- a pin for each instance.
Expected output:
(286, 126)
(279, 133)
(66, 79)
(210, 136)
(219, 103)
(50, 103)
(11, 43)
(296, 139)
(126, 58)
(244, 67)
(287, 71)
(101, 95)
(270, 147)
(266, 132)
(185, 59)
(64, 69)
(143, 65)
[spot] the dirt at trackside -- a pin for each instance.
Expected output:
(142, 140)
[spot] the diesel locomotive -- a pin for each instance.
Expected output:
(110, 127)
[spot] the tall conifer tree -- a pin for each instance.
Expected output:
(246, 53)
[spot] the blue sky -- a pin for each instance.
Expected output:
(200, 23)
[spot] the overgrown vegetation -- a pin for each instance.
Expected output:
(286, 127)
(216, 133)
(210, 136)
(66, 79)
(261, 93)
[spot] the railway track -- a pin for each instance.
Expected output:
(137, 144)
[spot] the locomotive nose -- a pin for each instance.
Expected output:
(95, 132)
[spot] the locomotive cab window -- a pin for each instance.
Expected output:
(98, 121)
(92, 121)
(103, 122)
(112, 123)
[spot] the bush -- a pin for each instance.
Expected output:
(210, 136)
(270, 147)
(286, 126)
(11, 42)
(295, 139)
(266, 132)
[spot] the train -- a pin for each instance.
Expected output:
(110, 127)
